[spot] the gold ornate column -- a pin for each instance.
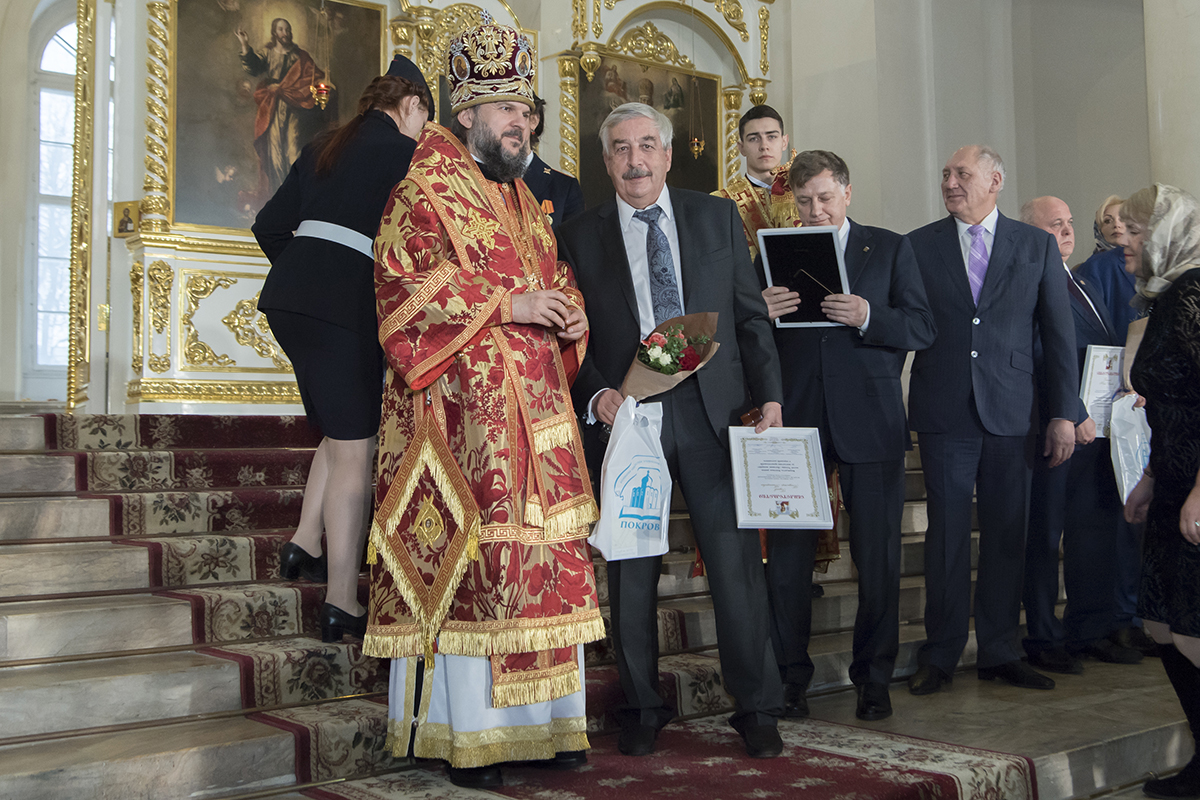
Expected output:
(764, 33)
(758, 91)
(427, 32)
(155, 205)
(568, 114)
(733, 115)
(402, 38)
(79, 299)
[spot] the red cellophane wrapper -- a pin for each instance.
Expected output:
(642, 381)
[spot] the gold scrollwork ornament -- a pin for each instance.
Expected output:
(243, 321)
(648, 42)
(764, 32)
(568, 114)
(161, 278)
(195, 351)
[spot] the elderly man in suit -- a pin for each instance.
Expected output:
(1076, 503)
(845, 381)
(650, 254)
(994, 285)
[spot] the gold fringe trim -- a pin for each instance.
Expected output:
(558, 434)
(564, 522)
(448, 747)
(533, 511)
(539, 690)
(483, 644)
(372, 553)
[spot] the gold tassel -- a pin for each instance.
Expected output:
(372, 553)
(533, 511)
(560, 434)
(564, 522)
(539, 690)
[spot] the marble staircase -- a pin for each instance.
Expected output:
(148, 648)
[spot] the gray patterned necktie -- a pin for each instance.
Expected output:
(664, 292)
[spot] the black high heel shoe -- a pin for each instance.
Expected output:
(336, 623)
(295, 562)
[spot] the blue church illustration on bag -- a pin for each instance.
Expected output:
(640, 489)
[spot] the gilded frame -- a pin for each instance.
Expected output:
(171, 143)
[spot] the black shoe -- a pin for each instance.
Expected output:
(795, 704)
(874, 702)
(1136, 638)
(1018, 673)
(1106, 650)
(336, 623)
(927, 680)
(637, 740)
(1183, 784)
(475, 777)
(295, 562)
(762, 741)
(563, 760)
(1056, 659)
(818, 590)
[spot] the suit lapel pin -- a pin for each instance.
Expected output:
(547, 170)
(866, 249)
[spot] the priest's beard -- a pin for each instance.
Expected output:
(500, 164)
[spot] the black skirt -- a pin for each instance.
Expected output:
(340, 373)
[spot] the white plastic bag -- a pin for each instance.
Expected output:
(635, 486)
(1129, 442)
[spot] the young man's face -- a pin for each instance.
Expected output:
(762, 144)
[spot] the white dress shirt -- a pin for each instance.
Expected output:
(634, 232)
(843, 238)
(989, 237)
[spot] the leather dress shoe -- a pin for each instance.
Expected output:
(795, 704)
(296, 562)
(1056, 659)
(874, 701)
(928, 679)
(1018, 673)
(1136, 638)
(336, 623)
(1107, 651)
(762, 741)
(637, 740)
(563, 760)
(1183, 784)
(475, 777)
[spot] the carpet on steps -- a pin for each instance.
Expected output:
(148, 470)
(704, 758)
(672, 635)
(212, 558)
(162, 431)
(255, 611)
(336, 740)
(140, 514)
(690, 683)
(297, 670)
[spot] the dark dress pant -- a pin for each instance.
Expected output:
(874, 496)
(996, 469)
(1075, 503)
(699, 464)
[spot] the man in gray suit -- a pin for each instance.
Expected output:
(648, 255)
(994, 284)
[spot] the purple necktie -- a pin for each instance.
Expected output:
(977, 262)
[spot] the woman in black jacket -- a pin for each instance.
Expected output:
(319, 298)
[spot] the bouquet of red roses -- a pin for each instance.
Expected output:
(672, 352)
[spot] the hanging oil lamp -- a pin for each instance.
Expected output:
(323, 87)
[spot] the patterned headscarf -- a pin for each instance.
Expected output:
(1172, 244)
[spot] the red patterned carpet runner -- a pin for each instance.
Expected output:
(704, 758)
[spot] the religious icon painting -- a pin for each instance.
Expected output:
(124, 219)
(690, 100)
(253, 81)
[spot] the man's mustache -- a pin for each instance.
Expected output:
(516, 133)
(635, 172)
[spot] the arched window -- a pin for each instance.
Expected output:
(54, 95)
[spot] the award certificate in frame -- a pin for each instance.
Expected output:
(808, 261)
(779, 478)
(1103, 371)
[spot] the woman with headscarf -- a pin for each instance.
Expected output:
(1164, 243)
(319, 297)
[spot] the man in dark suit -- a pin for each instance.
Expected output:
(559, 193)
(1076, 503)
(649, 255)
(994, 285)
(845, 381)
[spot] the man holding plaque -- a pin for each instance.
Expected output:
(649, 255)
(1076, 502)
(845, 381)
(995, 285)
